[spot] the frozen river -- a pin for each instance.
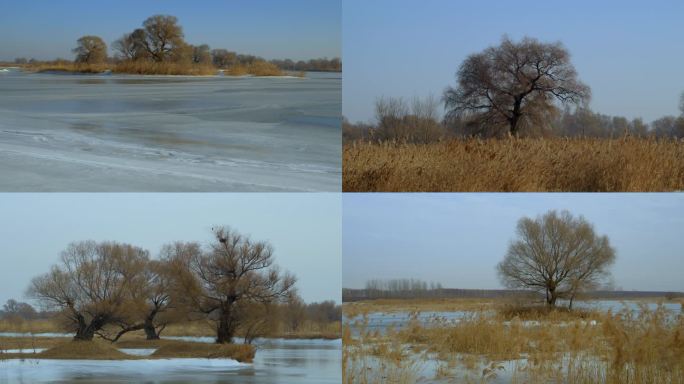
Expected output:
(147, 133)
(276, 361)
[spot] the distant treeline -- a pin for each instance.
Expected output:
(350, 295)
(159, 47)
(417, 121)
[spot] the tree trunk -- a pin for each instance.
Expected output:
(225, 329)
(150, 330)
(551, 298)
(572, 298)
(515, 118)
(86, 331)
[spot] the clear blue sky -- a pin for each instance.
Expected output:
(457, 239)
(303, 228)
(629, 52)
(297, 29)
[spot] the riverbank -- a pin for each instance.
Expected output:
(257, 68)
(101, 350)
(31, 330)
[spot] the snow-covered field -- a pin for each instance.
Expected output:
(137, 133)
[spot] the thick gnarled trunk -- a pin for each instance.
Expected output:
(225, 329)
(150, 330)
(86, 331)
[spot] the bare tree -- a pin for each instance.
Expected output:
(162, 36)
(201, 54)
(514, 84)
(295, 313)
(91, 50)
(148, 303)
(557, 254)
(259, 319)
(223, 58)
(13, 308)
(131, 46)
(232, 273)
(91, 284)
(414, 122)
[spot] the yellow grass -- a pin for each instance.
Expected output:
(61, 348)
(558, 164)
(149, 68)
(416, 305)
(257, 68)
(559, 346)
(308, 330)
(139, 68)
(67, 67)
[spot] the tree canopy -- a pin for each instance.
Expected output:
(514, 84)
(557, 254)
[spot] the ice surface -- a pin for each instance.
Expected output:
(276, 361)
(28, 334)
(138, 351)
(137, 133)
(46, 370)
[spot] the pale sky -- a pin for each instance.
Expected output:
(273, 29)
(458, 239)
(628, 51)
(304, 229)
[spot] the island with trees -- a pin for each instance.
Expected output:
(158, 47)
(111, 295)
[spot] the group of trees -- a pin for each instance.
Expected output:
(161, 41)
(404, 288)
(111, 288)
(526, 88)
(17, 310)
(313, 65)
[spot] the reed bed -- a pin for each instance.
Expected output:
(639, 347)
(513, 165)
(257, 68)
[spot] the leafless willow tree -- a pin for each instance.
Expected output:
(514, 84)
(201, 54)
(224, 280)
(163, 34)
(91, 50)
(148, 305)
(91, 285)
(161, 39)
(131, 46)
(557, 254)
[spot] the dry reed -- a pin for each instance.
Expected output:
(559, 164)
(639, 347)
